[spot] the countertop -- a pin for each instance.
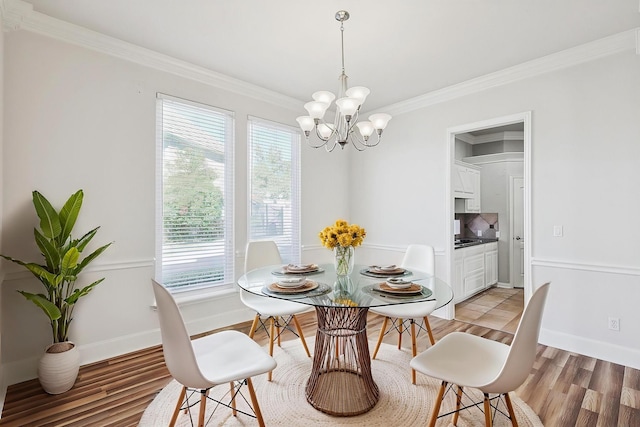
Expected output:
(466, 242)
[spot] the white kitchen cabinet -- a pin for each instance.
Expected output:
(472, 204)
(475, 269)
(462, 181)
(491, 264)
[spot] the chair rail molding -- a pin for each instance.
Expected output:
(593, 267)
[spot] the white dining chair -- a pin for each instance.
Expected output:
(203, 363)
(279, 313)
(418, 257)
(467, 360)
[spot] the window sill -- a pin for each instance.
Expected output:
(201, 295)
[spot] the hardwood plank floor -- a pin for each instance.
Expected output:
(564, 389)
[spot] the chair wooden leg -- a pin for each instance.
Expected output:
(399, 333)
(254, 402)
(304, 343)
(487, 411)
(203, 407)
(382, 330)
(436, 405)
(514, 421)
(254, 325)
(272, 328)
(414, 349)
(428, 326)
(233, 400)
(278, 333)
(174, 417)
(458, 403)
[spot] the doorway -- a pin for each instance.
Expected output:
(516, 252)
(524, 228)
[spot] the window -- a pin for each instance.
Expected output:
(194, 214)
(274, 186)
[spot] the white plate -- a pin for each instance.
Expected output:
(399, 283)
(292, 283)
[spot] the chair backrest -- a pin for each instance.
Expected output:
(420, 257)
(261, 253)
(522, 352)
(176, 343)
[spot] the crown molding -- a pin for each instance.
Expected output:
(491, 137)
(627, 40)
(17, 14)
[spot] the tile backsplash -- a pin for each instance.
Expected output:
(471, 223)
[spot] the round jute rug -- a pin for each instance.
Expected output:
(283, 401)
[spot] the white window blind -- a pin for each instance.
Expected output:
(194, 218)
(274, 186)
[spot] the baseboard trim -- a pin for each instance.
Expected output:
(597, 349)
(26, 369)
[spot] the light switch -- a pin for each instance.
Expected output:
(557, 231)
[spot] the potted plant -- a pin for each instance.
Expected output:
(59, 365)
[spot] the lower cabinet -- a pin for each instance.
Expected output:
(475, 269)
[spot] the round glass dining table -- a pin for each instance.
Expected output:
(340, 382)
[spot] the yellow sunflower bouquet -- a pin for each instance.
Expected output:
(342, 238)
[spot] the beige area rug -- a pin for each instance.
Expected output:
(283, 401)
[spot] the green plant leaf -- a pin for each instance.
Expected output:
(49, 220)
(70, 260)
(49, 251)
(78, 293)
(47, 306)
(84, 240)
(69, 215)
(91, 257)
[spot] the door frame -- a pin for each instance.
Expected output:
(512, 180)
(525, 118)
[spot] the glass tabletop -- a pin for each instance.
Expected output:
(362, 288)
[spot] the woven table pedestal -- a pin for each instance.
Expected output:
(341, 383)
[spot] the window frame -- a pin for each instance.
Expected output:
(227, 283)
(296, 184)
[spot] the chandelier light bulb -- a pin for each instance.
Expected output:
(306, 123)
(366, 129)
(323, 96)
(347, 106)
(325, 130)
(316, 109)
(380, 120)
(358, 92)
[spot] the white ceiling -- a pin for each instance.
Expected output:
(399, 49)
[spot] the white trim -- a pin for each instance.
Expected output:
(597, 268)
(491, 137)
(18, 14)
(144, 263)
(26, 369)
(597, 349)
(525, 118)
(556, 61)
(486, 159)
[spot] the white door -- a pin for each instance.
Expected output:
(516, 251)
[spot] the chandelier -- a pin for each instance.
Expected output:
(345, 127)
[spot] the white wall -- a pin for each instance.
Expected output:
(75, 118)
(585, 151)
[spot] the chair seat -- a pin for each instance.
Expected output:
(271, 306)
(463, 359)
(406, 311)
(229, 356)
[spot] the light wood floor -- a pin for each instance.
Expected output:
(564, 389)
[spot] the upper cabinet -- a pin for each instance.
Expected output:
(466, 185)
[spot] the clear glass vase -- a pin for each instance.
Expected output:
(343, 260)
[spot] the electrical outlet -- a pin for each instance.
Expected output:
(614, 323)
